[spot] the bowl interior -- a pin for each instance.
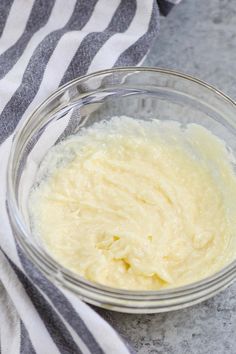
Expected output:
(142, 94)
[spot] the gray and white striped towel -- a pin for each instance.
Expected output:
(43, 44)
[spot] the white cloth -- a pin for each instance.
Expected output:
(43, 44)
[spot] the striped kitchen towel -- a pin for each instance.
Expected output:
(43, 44)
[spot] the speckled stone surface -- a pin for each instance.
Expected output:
(198, 38)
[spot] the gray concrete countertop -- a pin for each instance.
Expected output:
(198, 38)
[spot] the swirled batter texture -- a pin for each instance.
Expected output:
(138, 204)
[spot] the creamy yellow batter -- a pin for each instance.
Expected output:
(138, 204)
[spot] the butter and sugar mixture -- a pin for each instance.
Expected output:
(138, 204)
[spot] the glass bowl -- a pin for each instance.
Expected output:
(142, 93)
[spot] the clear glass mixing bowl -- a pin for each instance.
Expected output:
(143, 93)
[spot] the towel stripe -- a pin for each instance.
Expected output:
(30, 84)
(7, 242)
(37, 331)
(59, 333)
(9, 324)
(119, 42)
(135, 53)
(5, 6)
(38, 17)
(77, 339)
(16, 19)
(68, 44)
(26, 346)
(93, 42)
(98, 327)
(57, 298)
(59, 17)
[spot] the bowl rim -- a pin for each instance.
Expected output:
(29, 247)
